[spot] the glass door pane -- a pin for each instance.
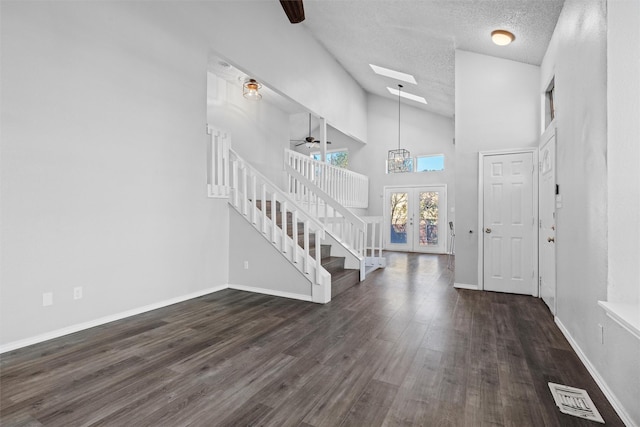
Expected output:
(399, 217)
(424, 205)
(428, 214)
(431, 205)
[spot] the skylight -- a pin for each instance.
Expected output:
(393, 74)
(407, 95)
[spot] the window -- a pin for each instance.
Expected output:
(430, 163)
(549, 103)
(336, 158)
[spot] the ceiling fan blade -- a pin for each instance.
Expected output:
(294, 10)
(299, 144)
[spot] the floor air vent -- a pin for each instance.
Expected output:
(575, 401)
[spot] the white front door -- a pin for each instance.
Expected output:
(416, 218)
(508, 230)
(547, 213)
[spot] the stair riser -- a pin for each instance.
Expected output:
(341, 278)
(344, 282)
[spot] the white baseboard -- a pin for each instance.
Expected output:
(101, 321)
(596, 376)
(465, 286)
(271, 292)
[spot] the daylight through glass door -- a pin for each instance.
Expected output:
(416, 218)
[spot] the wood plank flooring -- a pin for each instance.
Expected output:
(401, 348)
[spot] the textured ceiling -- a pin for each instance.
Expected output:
(419, 37)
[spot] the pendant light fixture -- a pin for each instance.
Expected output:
(250, 90)
(397, 160)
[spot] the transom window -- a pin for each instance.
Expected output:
(429, 163)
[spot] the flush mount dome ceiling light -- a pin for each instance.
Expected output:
(502, 37)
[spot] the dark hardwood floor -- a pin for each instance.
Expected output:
(401, 348)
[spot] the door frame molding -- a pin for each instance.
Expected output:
(550, 132)
(534, 183)
(385, 214)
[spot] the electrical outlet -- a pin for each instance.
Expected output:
(246, 265)
(47, 299)
(77, 292)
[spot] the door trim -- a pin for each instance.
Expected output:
(547, 135)
(385, 214)
(534, 183)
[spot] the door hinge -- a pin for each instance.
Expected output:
(540, 224)
(539, 166)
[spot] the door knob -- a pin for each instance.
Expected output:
(487, 230)
(551, 239)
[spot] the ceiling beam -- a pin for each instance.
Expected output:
(294, 10)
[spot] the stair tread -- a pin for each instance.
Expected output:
(333, 264)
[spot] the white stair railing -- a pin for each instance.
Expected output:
(373, 247)
(218, 171)
(264, 205)
(326, 191)
(348, 188)
(344, 225)
(252, 194)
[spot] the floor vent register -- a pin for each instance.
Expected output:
(575, 401)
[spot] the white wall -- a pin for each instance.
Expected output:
(497, 107)
(268, 270)
(276, 52)
(580, 43)
(104, 149)
(421, 133)
(103, 167)
(623, 150)
(577, 56)
(259, 130)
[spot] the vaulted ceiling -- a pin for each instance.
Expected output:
(419, 37)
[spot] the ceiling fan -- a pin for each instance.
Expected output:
(309, 140)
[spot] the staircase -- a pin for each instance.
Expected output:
(327, 192)
(313, 231)
(341, 278)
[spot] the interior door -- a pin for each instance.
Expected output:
(416, 218)
(547, 223)
(508, 204)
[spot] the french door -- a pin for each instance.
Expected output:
(416, 218)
